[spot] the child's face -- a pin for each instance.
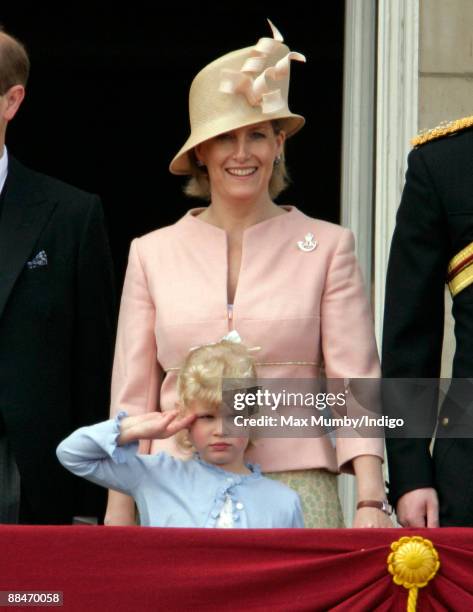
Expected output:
(206, 435)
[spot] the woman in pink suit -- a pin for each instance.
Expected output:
(287, 283)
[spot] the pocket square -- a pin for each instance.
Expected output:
(41, 259)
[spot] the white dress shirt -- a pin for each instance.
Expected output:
(3, 168)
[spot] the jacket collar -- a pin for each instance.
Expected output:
(192, 221)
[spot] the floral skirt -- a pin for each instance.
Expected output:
(318, 492)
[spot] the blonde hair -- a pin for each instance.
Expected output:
(198, 186)
(203, 372)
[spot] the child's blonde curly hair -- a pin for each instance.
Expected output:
(203, 372)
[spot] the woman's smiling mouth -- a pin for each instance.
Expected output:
(241, 171)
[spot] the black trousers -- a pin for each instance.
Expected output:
(9, 483)
(14, 506)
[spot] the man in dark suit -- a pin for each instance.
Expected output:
(57, 316)
(432, 244)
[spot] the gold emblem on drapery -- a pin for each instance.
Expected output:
(413, 563)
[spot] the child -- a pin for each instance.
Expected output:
(215, 487)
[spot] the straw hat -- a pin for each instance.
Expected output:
(238, 89)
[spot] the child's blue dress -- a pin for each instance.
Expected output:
(170, 492)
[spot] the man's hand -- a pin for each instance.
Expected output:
(152, 426)
(418, 508)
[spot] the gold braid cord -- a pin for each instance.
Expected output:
(412, 563)
(446, 128)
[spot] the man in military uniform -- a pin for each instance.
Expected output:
(432, 245)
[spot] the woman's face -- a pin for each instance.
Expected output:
(240, 163)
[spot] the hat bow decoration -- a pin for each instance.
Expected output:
(256, 90)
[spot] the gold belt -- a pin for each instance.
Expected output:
(270, 363)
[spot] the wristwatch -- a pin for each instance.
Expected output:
(383, 505)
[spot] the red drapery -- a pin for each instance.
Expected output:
(140, 569)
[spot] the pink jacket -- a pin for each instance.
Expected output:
(301, 308)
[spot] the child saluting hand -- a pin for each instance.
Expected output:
(152, 426)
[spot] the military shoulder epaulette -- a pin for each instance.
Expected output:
(446, 128)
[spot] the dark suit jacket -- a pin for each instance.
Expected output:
(56, 333)
(434, 222)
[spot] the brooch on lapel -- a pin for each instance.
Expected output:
(39, 260)
(308, 244)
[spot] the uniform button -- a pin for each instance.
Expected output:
(445, 421)
(239, 506)
(236, 517)
(214, 513)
